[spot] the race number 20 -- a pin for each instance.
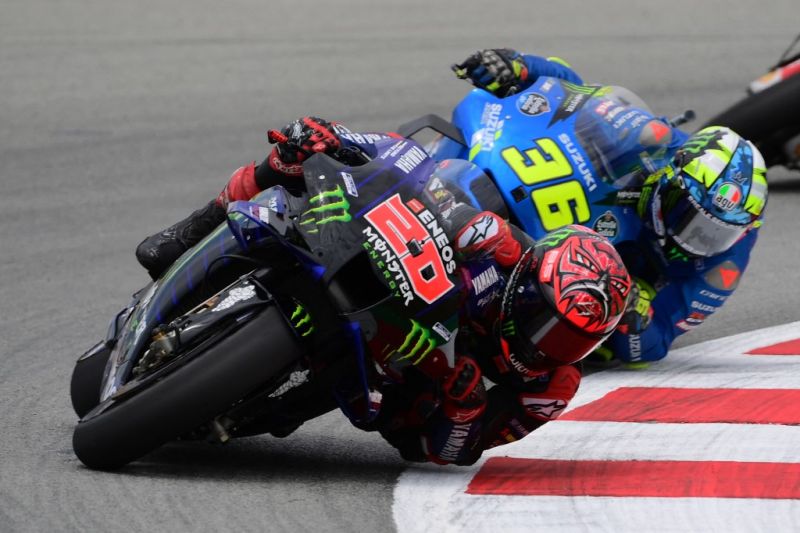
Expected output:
(424, 267)
(559, 204)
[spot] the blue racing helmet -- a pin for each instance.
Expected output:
(711, 194)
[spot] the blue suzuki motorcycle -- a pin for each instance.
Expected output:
(559, 153)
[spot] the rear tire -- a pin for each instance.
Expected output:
(768, 118)
(190, 396)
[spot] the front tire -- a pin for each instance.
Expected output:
(190, 396)
(87, 378)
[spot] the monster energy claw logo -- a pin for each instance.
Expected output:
(418, 343)
(702, 139)
(301, 321)
(327, 206)
(675, 254)
(555, 237)
(509, 328)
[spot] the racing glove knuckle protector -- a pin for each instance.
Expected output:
(298, 141)
(500, 71)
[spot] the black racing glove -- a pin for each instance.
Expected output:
(501, 71)
(298, 141)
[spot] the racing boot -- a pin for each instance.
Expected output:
(157, 252)
(295, 142)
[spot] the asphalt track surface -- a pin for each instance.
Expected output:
(118, 118)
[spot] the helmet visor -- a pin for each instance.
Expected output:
(547, 341)
(562, 343)
(697, 231)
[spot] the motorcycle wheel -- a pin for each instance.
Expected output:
(768, 118)
(190, 396)
(87, 378)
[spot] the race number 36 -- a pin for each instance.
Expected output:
(425, 269)
(559, 204)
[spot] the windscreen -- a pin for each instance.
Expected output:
(622, 137)
(469, 184)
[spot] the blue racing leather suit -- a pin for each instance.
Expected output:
(687, 290)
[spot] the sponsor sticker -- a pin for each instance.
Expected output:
(260, 212)
(492, 127)
(602, 109)
(393, 226)
(544, 408)
(575, 97)
(580, 162)
(349, 184)
(411, 159)
(363, 138)
(702, 307)
(713, 295)
(442, 331)
(546, 272)
(485, 280)
(607, 225)
(533, 104)
(394, 149)
(724, 276)
(695, 318)
(728, 196)
(239, 294)
(481, 228)
(628, 197)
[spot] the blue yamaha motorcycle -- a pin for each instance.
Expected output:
(281, 314)
(559, 153)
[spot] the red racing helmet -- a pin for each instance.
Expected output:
(564, 297)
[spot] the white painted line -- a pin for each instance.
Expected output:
(433, 498)
(624, 440)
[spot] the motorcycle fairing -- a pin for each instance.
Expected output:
(347, 206)
(544, 151)
(156, 301)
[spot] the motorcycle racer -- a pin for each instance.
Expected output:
(526, 336)
(533, 310)
(700, 202)
(529, 313)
